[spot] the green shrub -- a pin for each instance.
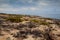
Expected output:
(39, 22)
(44, 23)
(14, 19)
(35, 20)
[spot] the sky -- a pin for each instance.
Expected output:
(34, 7)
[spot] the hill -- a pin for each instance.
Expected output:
(28, 27)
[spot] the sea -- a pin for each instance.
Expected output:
(55, 16)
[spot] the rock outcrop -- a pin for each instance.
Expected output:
(37, 29)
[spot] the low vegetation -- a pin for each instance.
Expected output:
(44, 23)
(14, 19)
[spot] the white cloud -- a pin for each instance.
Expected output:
(7, 7)
(24, 1)
(30, 1)
(43, 3)
(33, 8)
(30, 8)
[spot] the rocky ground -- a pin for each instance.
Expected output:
(30, 28)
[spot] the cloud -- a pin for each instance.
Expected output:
(33, 8)
(9, 8)
(5, 6)
(43, 3)
(29, 2)
(30, 6)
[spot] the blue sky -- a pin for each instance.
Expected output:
(35, 7)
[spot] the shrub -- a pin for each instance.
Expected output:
(35, 20)
(39, 21)
(14, 19)
(44, 23)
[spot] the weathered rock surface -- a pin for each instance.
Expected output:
(28, 30)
